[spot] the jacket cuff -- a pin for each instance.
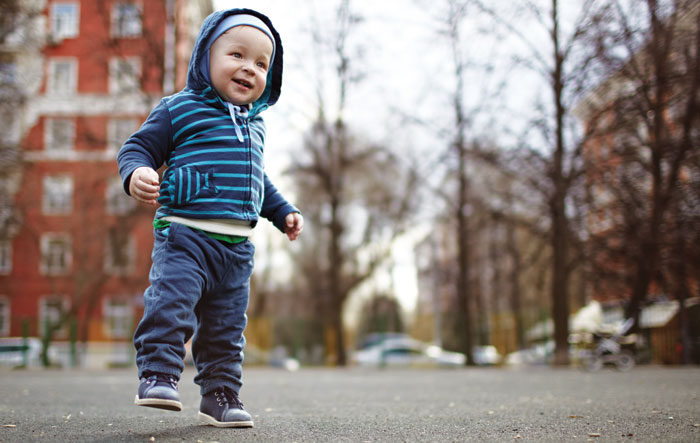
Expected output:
(283, 212)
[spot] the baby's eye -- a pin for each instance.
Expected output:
(236, 55)
(262, 65)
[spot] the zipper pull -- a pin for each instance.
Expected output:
(232, 111)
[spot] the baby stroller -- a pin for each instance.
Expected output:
(612, 348)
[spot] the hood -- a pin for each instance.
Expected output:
(197, 82)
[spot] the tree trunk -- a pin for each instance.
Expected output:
(463, 284)
(559, 228)
(515, 295)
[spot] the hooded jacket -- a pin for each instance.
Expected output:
(213, 150)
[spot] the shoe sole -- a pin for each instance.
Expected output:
(159, 403)
(208, 419)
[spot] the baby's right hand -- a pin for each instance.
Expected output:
(144, 185)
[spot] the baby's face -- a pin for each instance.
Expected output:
(238, 63)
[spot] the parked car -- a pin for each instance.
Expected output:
(539, 354)
(405, 351)
(375, 338)
(487, 355)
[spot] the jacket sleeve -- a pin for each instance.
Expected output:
(150, 146)
(275, 208)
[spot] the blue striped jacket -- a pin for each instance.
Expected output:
(214, 170)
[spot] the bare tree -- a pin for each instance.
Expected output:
(355, 194)
(554, 163)
(646, 159)
(465, 317)
(18, 37)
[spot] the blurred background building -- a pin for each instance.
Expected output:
(78, 77)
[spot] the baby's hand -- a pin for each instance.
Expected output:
(294, 224)
(144, 185)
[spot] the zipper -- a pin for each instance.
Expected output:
(249, 145)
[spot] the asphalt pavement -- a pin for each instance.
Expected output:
(647, 404)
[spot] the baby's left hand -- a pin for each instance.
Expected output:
(294, 224)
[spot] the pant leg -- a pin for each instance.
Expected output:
(218, 345)
(177, 282)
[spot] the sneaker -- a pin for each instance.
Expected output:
(159, 391)
(223, 409)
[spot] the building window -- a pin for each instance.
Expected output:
(126, 20)
(65, 20)
(56, 254)
(58, 195)
(4, 316)
(124, 75)
(118, 203)
(118, 317)
(63, 75)
(59, 135)
(8, 75)
(52, 310)
(120, 252)
(118, 131)
(5, 257)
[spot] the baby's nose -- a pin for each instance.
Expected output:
(249, 66)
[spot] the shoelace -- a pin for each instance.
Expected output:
(162, 378)
(228, 396)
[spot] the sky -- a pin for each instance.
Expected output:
(293, 113)
(407, 74)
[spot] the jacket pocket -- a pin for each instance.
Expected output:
(183, 185)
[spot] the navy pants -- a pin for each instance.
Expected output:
(199, 286)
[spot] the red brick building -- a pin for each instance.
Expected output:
(643, 126)
(77, 263)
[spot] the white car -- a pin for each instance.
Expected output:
(487, 355)
(404, 351)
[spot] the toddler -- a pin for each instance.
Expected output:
(211, 137)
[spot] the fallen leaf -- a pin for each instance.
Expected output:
(517, 436)
(9, 426)
(593, 434)
(575, 416)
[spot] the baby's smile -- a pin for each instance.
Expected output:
(243, 83)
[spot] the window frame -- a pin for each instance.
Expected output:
(61, 202)
(51, 144)
(53, 85)
(117, 317)
(116, 200)
(5, 257)
(118, 84)
(46, 267)
(121, 28)
(119, 129)
(74, 31)
(45, 312)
